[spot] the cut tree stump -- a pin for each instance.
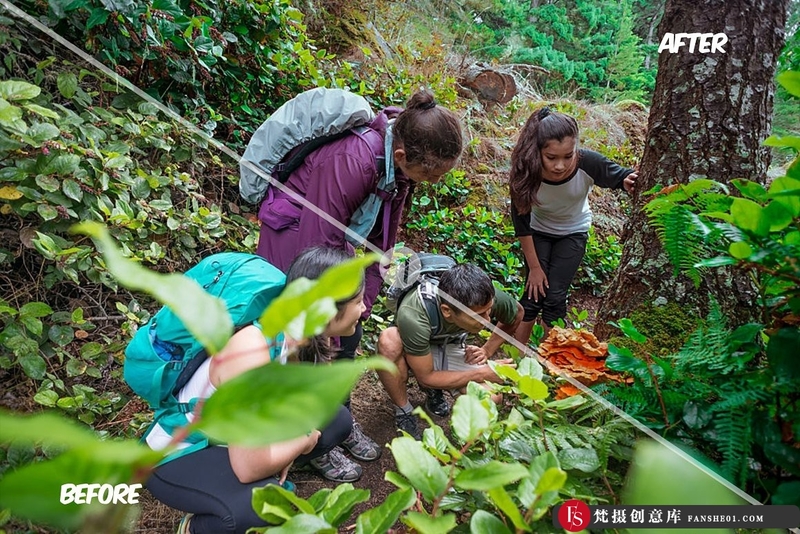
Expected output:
(488, 83)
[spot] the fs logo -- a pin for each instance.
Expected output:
(574, 515)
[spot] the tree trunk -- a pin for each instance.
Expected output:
(710, 115)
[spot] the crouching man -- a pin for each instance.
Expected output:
(429, 339)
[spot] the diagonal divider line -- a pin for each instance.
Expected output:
(386, 257)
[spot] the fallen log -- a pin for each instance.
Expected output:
(488, 83)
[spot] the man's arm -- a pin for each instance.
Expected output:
(422, 366)
(495, 341)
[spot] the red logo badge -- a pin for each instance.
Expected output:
(574, 515)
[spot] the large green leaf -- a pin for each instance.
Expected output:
(33, 491)
(506, 504)
(530, 367)
(622, 359)
(583, 459)
(275, 403)
(485, 523)
(419, 467)
(380, 519)
(430, 525)
(541, 480)
(490, 475)
(306, 306)
(790, 80)
(205, 317)
(679, 481)
(47, 428)
(786, 190)
(67, 84)
(304, 524)
(789, 141)
(340, 503)
(275, 504)
(779, 215)
(533, 388)
(470, 418)
(16, 90)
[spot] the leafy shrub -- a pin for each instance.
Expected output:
(231, 60)
(65, 161)
(600, 261)
(731, 391)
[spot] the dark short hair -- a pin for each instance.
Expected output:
(468, 284)
(313, 261)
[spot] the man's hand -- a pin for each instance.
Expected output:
(475, 355)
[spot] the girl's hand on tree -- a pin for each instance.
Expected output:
(629, 183)
(536, 284)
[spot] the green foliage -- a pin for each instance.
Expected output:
(514, 463)
(476, 234)
(600, 261)
(290, 400)
(585, 45)
(210, 60)
(731, 392)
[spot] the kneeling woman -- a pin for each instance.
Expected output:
(215, 484)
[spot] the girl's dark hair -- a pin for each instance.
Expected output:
(468, 284)
(311, 263)
(526, 159)
(430, 134)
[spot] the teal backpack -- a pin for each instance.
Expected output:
(163, 355)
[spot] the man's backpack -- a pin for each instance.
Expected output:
(420, 272)
(163, 355)
(302, 125)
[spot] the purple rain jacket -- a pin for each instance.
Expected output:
(336, 178)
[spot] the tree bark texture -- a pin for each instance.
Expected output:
(709, 117)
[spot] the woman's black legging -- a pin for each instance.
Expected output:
(203, 483)
(559, 257)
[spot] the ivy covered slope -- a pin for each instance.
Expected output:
(74, 149)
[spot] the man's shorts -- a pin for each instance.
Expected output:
(450, 357)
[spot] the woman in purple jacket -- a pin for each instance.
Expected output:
(426, 142)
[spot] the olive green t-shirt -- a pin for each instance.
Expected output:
(414, 325)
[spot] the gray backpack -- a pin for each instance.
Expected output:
(421, 272)
(300, 126)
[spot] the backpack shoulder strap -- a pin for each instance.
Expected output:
(429, 298)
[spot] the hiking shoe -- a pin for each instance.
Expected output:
(336, 466)
(361, 446)
(408, 423)
(436, 403)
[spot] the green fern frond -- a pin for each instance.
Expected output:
(708, 348)
(735, 440)
(682, 234)
(745, 396)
